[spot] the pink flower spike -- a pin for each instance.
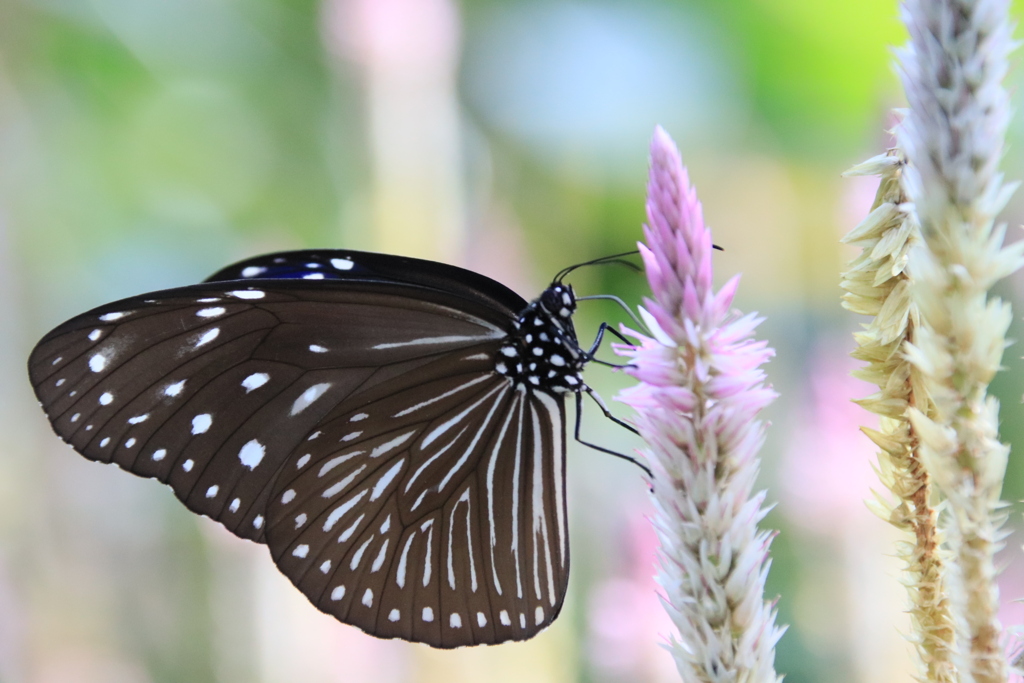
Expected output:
(700, 390)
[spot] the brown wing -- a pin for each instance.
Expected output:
(210, 388)
(433, 512)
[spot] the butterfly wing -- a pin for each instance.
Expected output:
(209, 388)
(368, 267)
(433, 514)
(448, 527)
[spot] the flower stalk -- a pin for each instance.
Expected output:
(952, 72)
(877, 284)
(701, 389)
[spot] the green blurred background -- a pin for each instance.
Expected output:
(146, 143)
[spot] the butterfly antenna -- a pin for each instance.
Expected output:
(614, 258)
(622, 304)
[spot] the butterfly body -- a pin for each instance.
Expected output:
(392, 429)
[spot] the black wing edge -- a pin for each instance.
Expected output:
(366, 266)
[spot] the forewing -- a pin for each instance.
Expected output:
(362, 266)
(434, 512)
(210, 388)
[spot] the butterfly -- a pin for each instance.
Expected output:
(393, 429)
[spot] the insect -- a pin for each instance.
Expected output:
(392, 429)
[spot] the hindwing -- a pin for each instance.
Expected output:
(435, 513)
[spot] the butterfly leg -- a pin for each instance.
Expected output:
(604, 408)
(590, 353)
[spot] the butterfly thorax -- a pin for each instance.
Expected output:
(541, 350)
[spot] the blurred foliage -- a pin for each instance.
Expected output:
(145, 143)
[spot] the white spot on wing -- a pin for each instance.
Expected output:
(129, 443)
(342, 263)
(358, 416)
(347, 533)
(316, 348)
(107, 317)
(308, 396)
(335, 461)
(538, 615)
(428, 614)
(379, 560)
(258, 522)
(187, 465)
(394, 615)
(252, 454)
(302, 461)
(253, 271)
(505, 621)
(138, 419)
(440, 397)
(481, 619)
(386, 479)
(455, 621)
(358, 557)
(212, 491)
(288, 496)
(247, 294)
(301, 550)
(95, 334)
(444, 427)
(106, 398)
(338, 593)
(235, 504)
(159, 454)
(174, 389)
(339, 512)
(201, 423)
(423, 341)
(340, 486)
(211, 312)
(74, 418)
(255, 381)
(391, 445)
(98, 362)
(429, 524)
(313, 276)
(368, 597)
(206, 337)
(554, 415)
(325, 566)
(104, 442)
(403, 560)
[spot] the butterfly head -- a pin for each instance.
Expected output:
(559, 301)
